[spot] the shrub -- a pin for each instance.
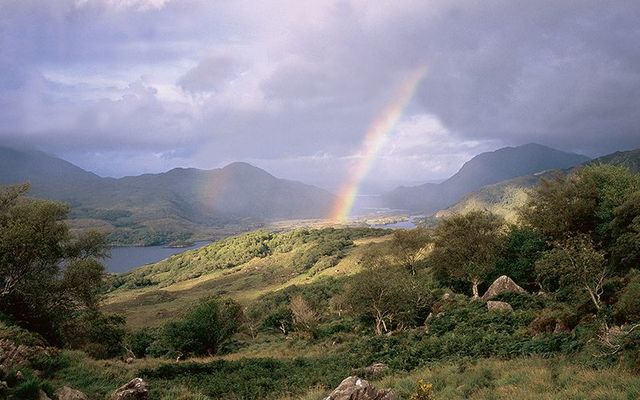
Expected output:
(555, 318)
(100, 335)
(206, 329)
(628, 306)
(139, 342)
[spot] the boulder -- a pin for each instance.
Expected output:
(42, 395)
(136, 389)
(354, 388)
(503, 284)
(14, 355)
(67, 393)
(499, 306)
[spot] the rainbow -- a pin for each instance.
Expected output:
(373, 141)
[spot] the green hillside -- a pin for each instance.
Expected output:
(242, 267)
(629, 159)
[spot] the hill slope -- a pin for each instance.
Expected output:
(504, 198)
(629, 159)
(483, 169)
(242, 267)
(160, 208)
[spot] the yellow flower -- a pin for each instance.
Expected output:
(424, 392)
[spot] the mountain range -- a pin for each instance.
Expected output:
(186, 204)
(165, 207)
(484, 169)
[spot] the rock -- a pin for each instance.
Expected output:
(560, 326)
(42, 395)
(19, 376)
(372, 371)
(134, 390)
(354, 388)
(14, 355)
(67, 393)
(499, 306)
(503, 284)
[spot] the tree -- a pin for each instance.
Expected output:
(574, 265)
(407, 246)
(626, 233)
(304, 318)
(48, 277)
(466, 247)
(387, 296)
(581, 202)
(523, 248)
(207, 328)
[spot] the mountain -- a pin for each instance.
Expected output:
(169, 206)
(483, 169)
(504, 198)
(629, 159)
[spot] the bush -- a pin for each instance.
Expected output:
(140, 342)
(100, 335)
(627, 309)
(206, 329)
(556, 318)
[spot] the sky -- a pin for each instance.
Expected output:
(123, 87)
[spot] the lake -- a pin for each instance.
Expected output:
(124, 259)
(409, 223)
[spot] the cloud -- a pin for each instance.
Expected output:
(294, 86)
(210, 75)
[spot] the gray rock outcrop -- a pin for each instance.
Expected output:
(503, 284)
(372, 371)
(354, 388)
(14, 355)
(136, 389)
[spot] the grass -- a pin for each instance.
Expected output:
(152, 306)
(313, 377)
(524, 378)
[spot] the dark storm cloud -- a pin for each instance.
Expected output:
(295, 85)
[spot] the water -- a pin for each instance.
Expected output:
(409, 223)
(124, 259)
(406, 224)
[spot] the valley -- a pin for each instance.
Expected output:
(300, 304)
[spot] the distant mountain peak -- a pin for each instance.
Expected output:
(483, 169)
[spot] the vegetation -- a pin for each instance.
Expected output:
(51, 280)
(290, 314)
(467, 247)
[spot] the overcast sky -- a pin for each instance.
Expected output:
(130, 86)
